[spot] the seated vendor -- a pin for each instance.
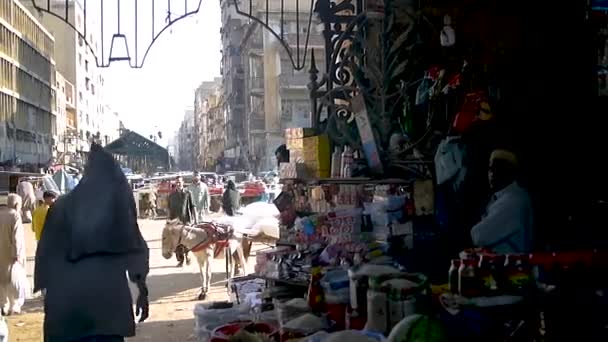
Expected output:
(507, 225)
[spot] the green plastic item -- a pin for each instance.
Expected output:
(418, 328)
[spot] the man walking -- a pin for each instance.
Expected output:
(39, 216)
(12, 251)
(200, 196)
(181, 207)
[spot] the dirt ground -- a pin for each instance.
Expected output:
(173, 293)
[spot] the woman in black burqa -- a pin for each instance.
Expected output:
(90, 241)
(231, 200)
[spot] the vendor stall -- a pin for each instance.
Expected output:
(383, 195)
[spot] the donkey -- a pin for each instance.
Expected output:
(201, 243)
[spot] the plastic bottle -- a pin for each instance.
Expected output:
(487, 272)
(468, 284)
(343, 160)
(518, 274)
(315, 292)
(453, 275)
(347, 162)
(336, 163)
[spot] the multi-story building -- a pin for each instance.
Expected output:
(216, 135)
(76, 62)
(186, 141)
(233, 77)
(201, 119)
(27, 87)
(110, 126)
(275, 96)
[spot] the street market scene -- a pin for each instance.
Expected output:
(303, 170)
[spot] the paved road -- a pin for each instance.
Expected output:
(173, 293)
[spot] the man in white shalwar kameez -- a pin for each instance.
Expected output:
(507, 227)
(12, 250)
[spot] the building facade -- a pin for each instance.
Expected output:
(201, 120)
(27, 89)
(274, 95)
(233, 78)
(186, 141)
(216, 134)
(76, 62)
(110, 126)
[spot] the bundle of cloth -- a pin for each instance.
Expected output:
(258, 220)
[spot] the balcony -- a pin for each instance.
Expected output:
(70, 95)
(70, 118)
(294, 80)
(256, 85)
(257, 124)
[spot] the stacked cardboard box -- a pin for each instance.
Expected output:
(310, 150)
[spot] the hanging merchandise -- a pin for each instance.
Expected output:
(448, 35)
(469, 112)
(450, 161)
(422, 93)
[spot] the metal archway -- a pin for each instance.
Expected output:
(104, 17)
(150, 18)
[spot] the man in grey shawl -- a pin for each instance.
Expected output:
(90, 242)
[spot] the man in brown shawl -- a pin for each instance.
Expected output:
(181, 207)
(89, 244)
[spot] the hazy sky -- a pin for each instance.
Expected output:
(154, 97)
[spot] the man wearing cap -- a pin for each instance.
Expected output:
(507, 225)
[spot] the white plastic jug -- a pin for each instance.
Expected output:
(3, 330)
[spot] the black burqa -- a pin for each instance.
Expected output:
(231, 200)
(90, 240)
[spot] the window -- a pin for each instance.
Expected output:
(87, 83)
(80, 41)
(86, 65)
(80, 96)
(80, 59)
(93, 89)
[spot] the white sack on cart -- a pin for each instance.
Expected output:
(267, 226)
(241, 224)
(260, 210)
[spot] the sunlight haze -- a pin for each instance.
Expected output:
(154, 98)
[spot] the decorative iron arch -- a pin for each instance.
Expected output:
(299, 60)
(171, 14)
(172, 11)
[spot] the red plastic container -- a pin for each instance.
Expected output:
(224, 332)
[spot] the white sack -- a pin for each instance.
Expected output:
(242, 224)
(267, 226)
(260, 210)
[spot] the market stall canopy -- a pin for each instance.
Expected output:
(64, 181)
(138, 152)
(133, 144)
